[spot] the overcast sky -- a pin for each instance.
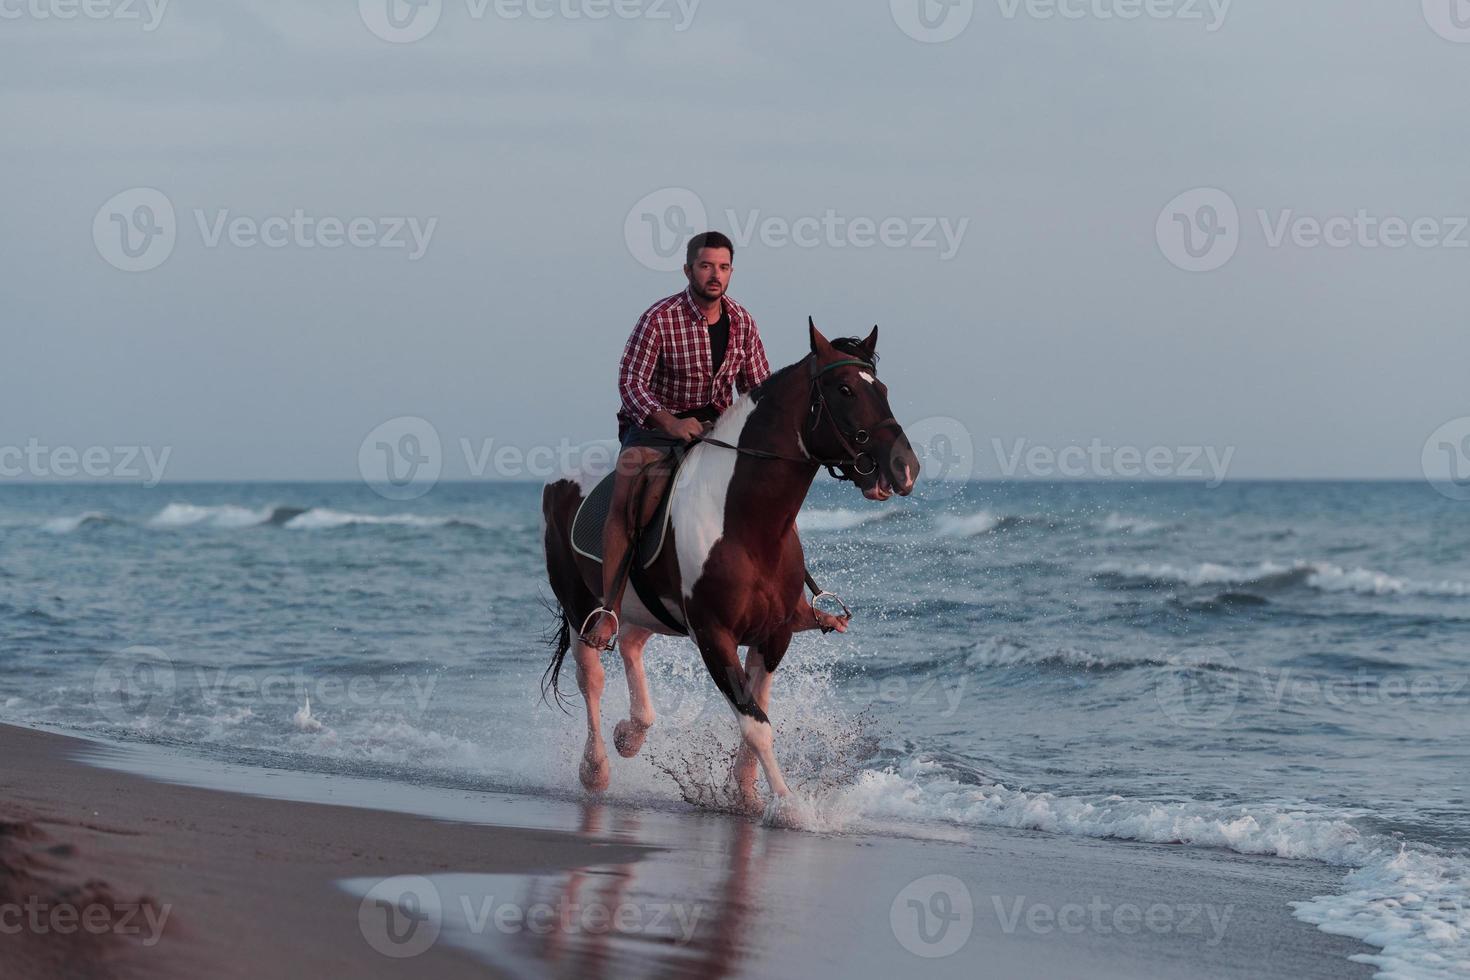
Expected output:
(1005, 203)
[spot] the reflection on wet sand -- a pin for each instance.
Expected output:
(613, 919)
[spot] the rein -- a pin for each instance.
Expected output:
(820, 408)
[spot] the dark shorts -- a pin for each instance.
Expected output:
(637, 435)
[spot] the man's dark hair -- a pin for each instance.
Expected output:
(708, 239)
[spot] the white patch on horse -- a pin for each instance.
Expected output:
(703, 482)
(635, 613)
(866, 376)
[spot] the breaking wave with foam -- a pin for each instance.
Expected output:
(1322, 576)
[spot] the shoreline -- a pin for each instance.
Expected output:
(241, 886)
(283, 878)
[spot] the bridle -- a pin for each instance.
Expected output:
(818, 410)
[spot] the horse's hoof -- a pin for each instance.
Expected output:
(628, 737)
(595, 774)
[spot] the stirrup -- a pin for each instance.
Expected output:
(824, 594)
(617, 625)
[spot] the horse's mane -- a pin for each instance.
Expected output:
(847, 345)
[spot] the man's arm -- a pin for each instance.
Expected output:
(754, 368)
(635, 370)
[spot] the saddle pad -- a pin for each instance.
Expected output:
(592, 515)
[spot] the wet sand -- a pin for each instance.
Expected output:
(238, 871)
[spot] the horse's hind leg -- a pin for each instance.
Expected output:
(628, 735)
(721, 656)
(594, 771)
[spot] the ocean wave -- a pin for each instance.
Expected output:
(1123, 524)
(221, 515)
(1002, 652)
(322, 518)
(1409, 902)
(1322, 576)
(973, 525)
(66, 525)
(234, 516)
(837, 520)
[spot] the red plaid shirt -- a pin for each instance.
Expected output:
(666, 363)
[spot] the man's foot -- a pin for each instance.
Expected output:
(604, 628)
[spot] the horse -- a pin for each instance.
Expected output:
(731, 568)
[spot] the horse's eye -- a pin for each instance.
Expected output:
(846, 391)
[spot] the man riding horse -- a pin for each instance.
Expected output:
(675, 380)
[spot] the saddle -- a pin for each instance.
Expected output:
(592, 516)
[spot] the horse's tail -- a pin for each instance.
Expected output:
(559, 638)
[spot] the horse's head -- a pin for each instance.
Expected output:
(849, 420)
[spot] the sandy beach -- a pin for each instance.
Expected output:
(303, 875)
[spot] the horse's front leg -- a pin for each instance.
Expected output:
(744, 772)
(722, 658)
(594, 771)
(628, 735)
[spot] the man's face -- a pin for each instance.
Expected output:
(709, 276)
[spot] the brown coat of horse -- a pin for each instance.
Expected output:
(731, 568)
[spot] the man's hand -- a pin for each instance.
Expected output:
(685, 430)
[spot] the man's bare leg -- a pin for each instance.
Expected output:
(633, 470)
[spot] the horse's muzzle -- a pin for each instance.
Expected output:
(896, 472)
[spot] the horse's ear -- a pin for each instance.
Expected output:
(871, 344)
(819, 343)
